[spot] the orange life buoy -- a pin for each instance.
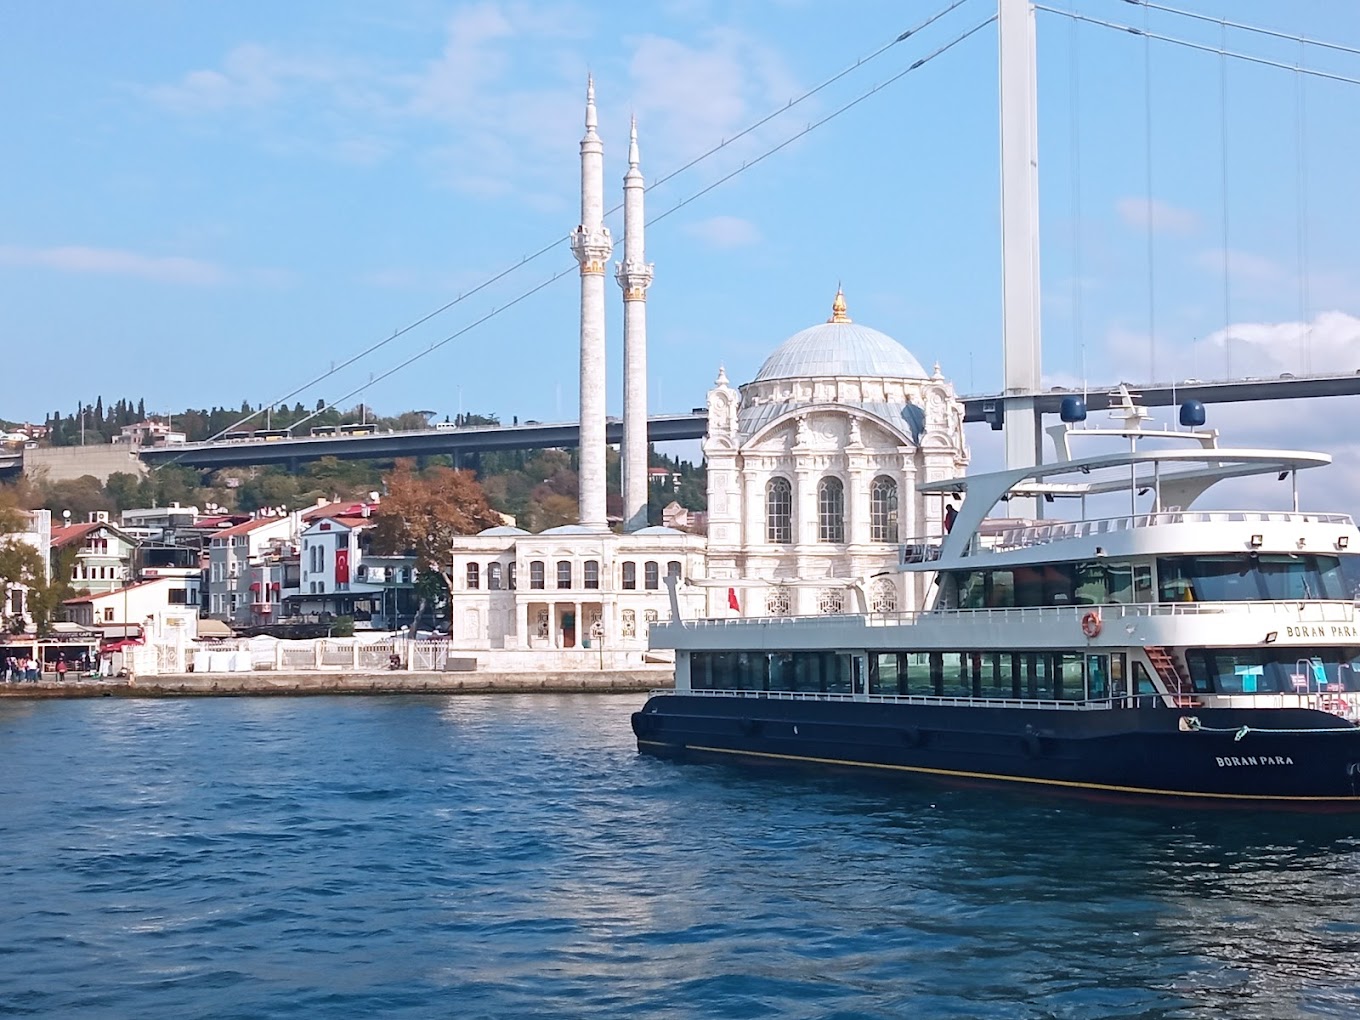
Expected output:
(1090, 624)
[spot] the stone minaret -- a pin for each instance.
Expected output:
(591, 245)
(635, 276)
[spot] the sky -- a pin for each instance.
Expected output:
(209, 203)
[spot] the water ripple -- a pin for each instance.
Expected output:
(514, 856)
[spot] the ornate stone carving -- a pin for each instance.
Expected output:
(592, 249)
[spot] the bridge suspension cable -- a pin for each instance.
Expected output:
(1240, 26)
(916, 65)
(1202, 47)
(549, 246)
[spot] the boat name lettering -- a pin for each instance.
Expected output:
(1260, 759)
(1307, 630)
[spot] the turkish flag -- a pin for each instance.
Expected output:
(732, 600)
(342, 566)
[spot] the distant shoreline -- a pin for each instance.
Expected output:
(309, 684)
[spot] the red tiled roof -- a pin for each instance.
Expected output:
(66, 534)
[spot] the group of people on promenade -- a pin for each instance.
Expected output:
(27, 669)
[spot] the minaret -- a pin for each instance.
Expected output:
(635, 276)
(591, 245)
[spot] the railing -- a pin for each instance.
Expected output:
(1091, 705)
(1041, 534)
(1309, 611)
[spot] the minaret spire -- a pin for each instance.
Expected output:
(634, 274)
(592, 246)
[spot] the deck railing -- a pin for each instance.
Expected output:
(1308, 611)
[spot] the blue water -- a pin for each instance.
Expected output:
(509, 856)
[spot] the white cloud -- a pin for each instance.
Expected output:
(725, 231)
(251, 76)
(1164, 218)
(115, 262)
(690, 96)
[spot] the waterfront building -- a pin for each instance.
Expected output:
(104, 553)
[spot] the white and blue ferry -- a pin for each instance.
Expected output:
(1147, 649)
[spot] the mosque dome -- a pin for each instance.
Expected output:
(840, 347)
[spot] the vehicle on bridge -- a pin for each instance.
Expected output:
(357, 429)
(269, 435)
(325, 430)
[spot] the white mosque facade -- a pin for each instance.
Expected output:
(812, 473)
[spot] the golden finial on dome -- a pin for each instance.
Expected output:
(838, 307)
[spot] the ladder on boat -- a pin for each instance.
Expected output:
(1174, 674)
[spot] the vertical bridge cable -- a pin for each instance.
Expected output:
(1223, 159)
(1147, 162)
(1301, 153)
(1074, 93)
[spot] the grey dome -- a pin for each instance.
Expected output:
(840, 347)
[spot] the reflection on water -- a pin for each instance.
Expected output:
(514, 856)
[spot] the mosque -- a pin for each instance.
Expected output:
(813, 468)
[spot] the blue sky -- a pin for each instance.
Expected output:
(209, 203)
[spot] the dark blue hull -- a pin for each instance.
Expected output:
(1284, 757)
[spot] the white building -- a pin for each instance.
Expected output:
(812, 475)
(158, 608)
(149, 433)
(813, 468)
(338, 576)
(569, 587)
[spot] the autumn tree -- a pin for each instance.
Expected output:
(422, 514)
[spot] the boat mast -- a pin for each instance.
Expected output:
(1020, 238)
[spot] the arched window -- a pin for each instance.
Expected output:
(777, 601)
(883, 510)
(831, 510)
(831, 601)
(511, 571)
(673, 568)
(474, 575)
(493, 577)
(629, 623)
(564, 573)
(592, 574)
(536, 574)
(884, 596)
(629, 575)
(779, 511)
(651, 575)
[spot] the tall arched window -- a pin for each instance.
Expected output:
(779, 511)
(535, 573)
(493, 577)
(883, 510)
(831, 510)
(474, 575)
(592, 574)
(629, 575)
(564, 573)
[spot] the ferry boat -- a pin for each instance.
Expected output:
(1167, 652)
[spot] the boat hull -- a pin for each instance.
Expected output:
(1245, 757)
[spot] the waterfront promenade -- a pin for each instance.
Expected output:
(313, 683)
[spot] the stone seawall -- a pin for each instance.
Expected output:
(270, 683)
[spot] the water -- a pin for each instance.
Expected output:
(514, 857)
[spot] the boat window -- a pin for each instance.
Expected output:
(1039, 675)
(1274, 670)
(1070, 681)
(1145, 684)
(1350, 576)
(882, 672)
(996, 675)
(1289, 577)
(955, 679)
(1092, 584)
(1097, 677)
(1250, 577)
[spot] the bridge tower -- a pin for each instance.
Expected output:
(634, 274)
(1019, 235)
(592, 246)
